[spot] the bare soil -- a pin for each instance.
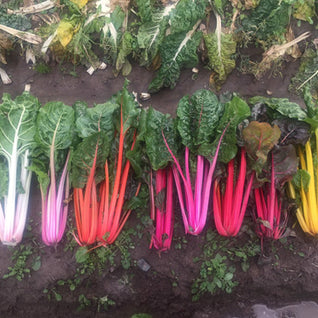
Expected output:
(285, 274)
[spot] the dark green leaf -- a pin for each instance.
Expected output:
(198, 116)
(84, 156)
(176, 51)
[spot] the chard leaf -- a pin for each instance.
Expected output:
(259, 139)
(112, 33)
(221, 59)
(285, 164)
(301, 180)
(282, 106)
(186, 15)
(150, 36)
(177, 51)
(197, 118)
(293, 131)
(17, 124)
(126, 47)
(268, 21)
(306, 78)
(144, 10)
(138, 157)
(130, 109)
(55, 126)
(158, 123)
(235, 111)
(89, 121)
(54, 132)
(83, 158)
(304, 10)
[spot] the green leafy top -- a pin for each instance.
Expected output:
(55, 126)
(91, 120)
(235, 111)
(54, 135)
(17, 129)
(202, 119)
(197, 118)
(17, 124)
(157, 125)
(130, 109)
(221, 59)
(186, 15)
(281, 106)
(83, 158)
(150, 147)
(268, 21)
(177, 51)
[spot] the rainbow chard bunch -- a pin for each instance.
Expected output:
(54, 136)
(229, 207)
(276, 164)
(304, 186)
(151, 161)
(17, 129)
(200, 122)
(99, 168)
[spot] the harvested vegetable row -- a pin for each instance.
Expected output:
(17, 129)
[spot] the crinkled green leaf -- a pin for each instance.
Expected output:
(307, 75)
(17, 122)
(259, 139)
(156, 124)
(111, 32)
(17, 130)
(150, 36)
(221, 60)
(235, 111)
(54, 129)
(198, 117)
(130, 109)
(186, 15)
(83, 158)
(268, 21)
(144, 10)
(281, 105)
(55, 126)
(177, 51)
(91, 120)
(126, 47)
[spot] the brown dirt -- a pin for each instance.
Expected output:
(287, 274)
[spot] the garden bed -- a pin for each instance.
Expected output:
(55, 283)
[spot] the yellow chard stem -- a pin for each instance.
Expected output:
(311, 194)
